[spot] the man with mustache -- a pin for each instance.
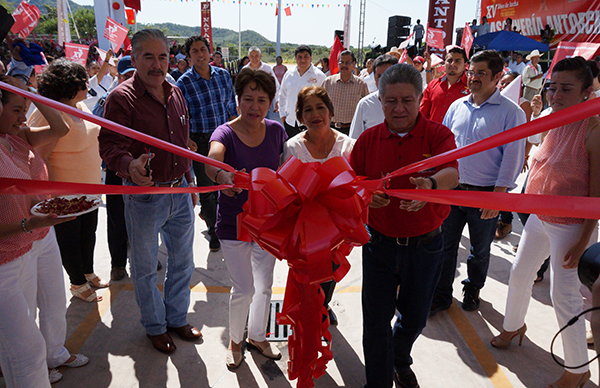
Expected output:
(149, 104)
(209, 95)
(472, 118)
(345, 90)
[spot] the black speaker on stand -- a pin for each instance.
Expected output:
(398, 30)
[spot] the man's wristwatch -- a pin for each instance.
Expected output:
(433, 182)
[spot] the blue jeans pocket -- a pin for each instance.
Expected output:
(141, 197)
(434, 247)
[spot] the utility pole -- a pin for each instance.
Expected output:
(278, 44)
(361, 32)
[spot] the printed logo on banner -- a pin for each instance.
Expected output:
(77, 52)
(115, 33)
(26, 18)
(206, 30)
(435, 38)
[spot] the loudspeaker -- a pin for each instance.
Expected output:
(397, 35)
(401, 21)
(340, 34)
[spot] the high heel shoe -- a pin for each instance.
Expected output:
(584, 379)
(500, 343)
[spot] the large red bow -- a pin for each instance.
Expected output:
(310, 215)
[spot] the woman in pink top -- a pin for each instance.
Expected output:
(279, 69)
(28, 245)
(73, 158)
(567, 163)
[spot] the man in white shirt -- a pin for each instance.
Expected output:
(517, 65)
(256, 63)
(369, 111)
(305, 74)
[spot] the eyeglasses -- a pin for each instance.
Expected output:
(479, 74)
(346, 63)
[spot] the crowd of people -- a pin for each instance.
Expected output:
(383, 118)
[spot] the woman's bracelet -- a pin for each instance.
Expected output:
(23, 226)
(217, 174)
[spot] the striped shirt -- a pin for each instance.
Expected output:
(345, 96)
(210, 102)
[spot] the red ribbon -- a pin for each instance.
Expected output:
(311, 215)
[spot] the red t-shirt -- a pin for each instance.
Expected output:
(379, 151)
(437, 97)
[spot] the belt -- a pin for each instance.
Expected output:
(405, 241)
(464, 186)
(175, 183)
(342, 125)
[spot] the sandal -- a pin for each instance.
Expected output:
(95, 281)
(79, 291)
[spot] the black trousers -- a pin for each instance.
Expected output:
(76, 240)
(208, 201)
(115, 225)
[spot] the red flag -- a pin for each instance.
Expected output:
(467, 39)
(115, 33)
(130, 13)
(333, 55)
(26, 18)
(573, 49)
(276, 11)
(288, 11)
(403, 57)
(77, 52)
(135, 4)
(405, 43)
(127, 46)
(435, 38)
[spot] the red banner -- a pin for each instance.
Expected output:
(26, 18)
(130, 13)
(206, 30)
(435, 39)
(115, 33)
(77, 52)
(467, 39)
(572, 21)
(573, 49)
(441, 16)
(336, 49)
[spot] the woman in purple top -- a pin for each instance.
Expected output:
(247, 142)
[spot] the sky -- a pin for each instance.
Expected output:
(309, 24)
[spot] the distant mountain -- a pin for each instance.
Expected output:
(219, 34)
(12, 4)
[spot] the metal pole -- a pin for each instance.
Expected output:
(240, 32)
(278, 44)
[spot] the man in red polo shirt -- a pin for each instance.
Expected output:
(406, 240)
(442, 92)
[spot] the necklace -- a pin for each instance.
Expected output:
(321, 151)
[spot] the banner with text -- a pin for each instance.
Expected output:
(441, 16)
(77, 52)
(206, 23)
(572, 21)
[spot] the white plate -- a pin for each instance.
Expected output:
(97, 202)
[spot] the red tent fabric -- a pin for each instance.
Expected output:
(333, 55)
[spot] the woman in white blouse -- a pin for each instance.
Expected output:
(318, 143)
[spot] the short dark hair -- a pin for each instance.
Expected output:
(385, 59)
(6, 95)
(195, 38)
(219, 53)
(347, 52)
(459, 50)
(579, 67)
(325, 61)
(312, 91)
(593, 65)
(302, 48)
(62, 80)
(145, 35)
(263, 80)
(492, 58)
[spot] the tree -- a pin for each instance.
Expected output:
(86, 23)
(48, 21)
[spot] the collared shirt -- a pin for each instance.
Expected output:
(131, 105)
(529, 72)
(292, 83)
(370, 80)
(210, 102)
(517, 67)
(379, 151)
(345, 96)
(498, 166)
(437, 97)
(267, 69)
(483, 29)
(369, 113)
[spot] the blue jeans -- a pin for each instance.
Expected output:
(146, 216)
(387, 265)
(481, 235)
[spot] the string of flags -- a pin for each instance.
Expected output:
(262, 3)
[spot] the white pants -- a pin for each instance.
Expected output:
(22, 346)
(51, 299)
(251, 273)
(539, 240)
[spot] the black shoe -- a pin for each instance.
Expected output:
(118, 273)
(214, 244)
(438, 305)
(470, 298)
(406, 378)
(332, 317)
